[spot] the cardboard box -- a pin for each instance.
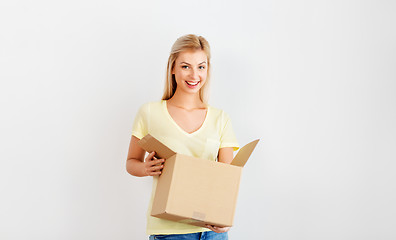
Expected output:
(196, 191)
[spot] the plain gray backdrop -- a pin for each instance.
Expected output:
(315, 80)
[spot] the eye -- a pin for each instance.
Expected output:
(185, 67)
(201, 67)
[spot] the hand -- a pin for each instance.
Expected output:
(153, 166)
(217, 229)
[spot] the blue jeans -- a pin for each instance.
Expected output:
(192, 236)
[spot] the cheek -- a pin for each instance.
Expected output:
(179, 76)
(204, 75)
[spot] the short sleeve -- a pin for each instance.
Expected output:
(140, 124)
(227, 138)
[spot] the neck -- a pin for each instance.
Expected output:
(186, 101)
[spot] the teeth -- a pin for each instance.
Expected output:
(192, 83)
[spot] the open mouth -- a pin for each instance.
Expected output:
(192, 83)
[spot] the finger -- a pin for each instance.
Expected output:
(155, 173)
(218, 229)
(156, 168)
(211, 227)
(150, 156)
(156, 162)
(222, 229)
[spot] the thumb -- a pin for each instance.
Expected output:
(150, 156)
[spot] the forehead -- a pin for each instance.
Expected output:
(192, 56)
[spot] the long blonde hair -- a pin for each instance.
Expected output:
(186, 42)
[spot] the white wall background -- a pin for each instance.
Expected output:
(315, 80)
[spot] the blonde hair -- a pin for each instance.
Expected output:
(186, 42)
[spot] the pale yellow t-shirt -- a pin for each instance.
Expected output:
(216, 132)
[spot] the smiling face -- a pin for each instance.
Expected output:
(190, 71)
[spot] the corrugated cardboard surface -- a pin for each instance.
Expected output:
(244, 153)
(196, 191)
(150, 144)
(201, 190)
(163, 187)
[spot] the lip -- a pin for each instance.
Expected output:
(193, 82)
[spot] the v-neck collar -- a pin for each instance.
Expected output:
(165, 107)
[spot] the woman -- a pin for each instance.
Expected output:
(184, 122)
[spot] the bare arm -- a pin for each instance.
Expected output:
(137, 166)
(226, 155)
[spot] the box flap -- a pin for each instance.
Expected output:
(149, 144)
(244, 153)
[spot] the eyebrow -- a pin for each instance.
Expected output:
(190, 64)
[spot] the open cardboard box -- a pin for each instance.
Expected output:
(196, 191)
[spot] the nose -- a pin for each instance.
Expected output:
(194, 74)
